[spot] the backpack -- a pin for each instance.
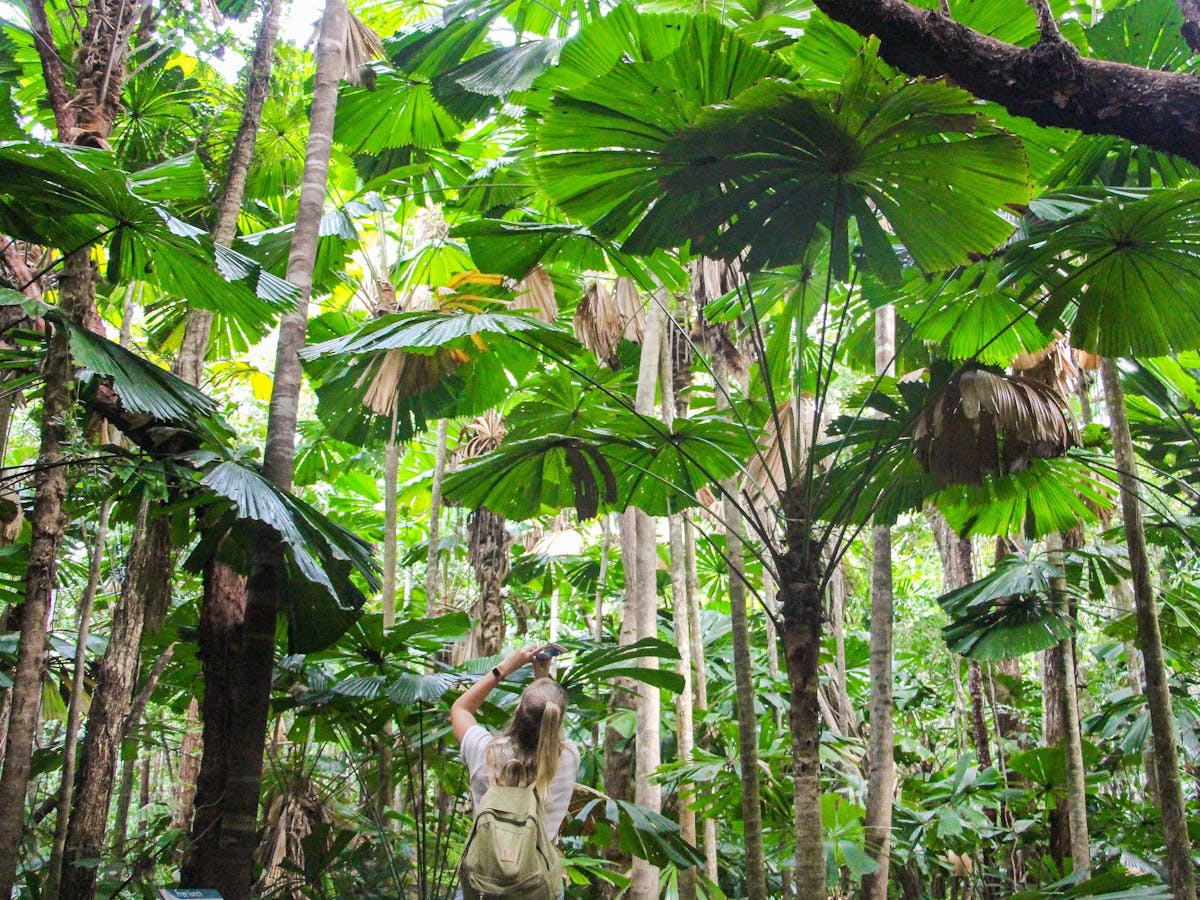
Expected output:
(507, 853)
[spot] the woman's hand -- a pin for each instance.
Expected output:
(518, 658)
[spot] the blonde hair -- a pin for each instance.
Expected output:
(533, 740)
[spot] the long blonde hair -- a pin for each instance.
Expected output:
(533, 739)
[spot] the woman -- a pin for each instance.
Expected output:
(532, 749)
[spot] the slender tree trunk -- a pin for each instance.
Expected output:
(129, 759)
(143, 594)
(602, 578)
(1158, 695)
(75, 708)
(684, 722)
(755, 878)
(649, 705)
(1072, 740)
(189, 769)
(265, 584)
(391, 471)
(699, 673)
(881, 765)
(189, 364)
(48, 520)
(435, 520)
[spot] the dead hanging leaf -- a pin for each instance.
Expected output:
(292, 818)
(536, 292)
(985, 423)
(399, 373)
(429, 224)
(481, 436)
(630, 309)
(362, 45)
(1058, 364)
(713, 278)
(11, 517)
(597, 324)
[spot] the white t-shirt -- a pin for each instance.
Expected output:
(475, 744)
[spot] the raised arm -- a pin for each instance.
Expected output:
(462, 713)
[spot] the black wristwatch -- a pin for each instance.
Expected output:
(496, 672)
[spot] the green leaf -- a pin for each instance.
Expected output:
(1121, 269)
(1006, 613)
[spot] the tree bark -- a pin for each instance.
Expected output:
(47, 520)
(1049, 82)
(881, 767)
(684, 719)
(144, 591)
(1149, 638)
(1072, 740)
(646, 793)
(435, 520)
(699, 674)
(222, 615)
(800, 574)
(189, 364)
(489, 554)
(266, 579)
(755, 877)
(75, 708)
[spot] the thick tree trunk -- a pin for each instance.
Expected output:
(143, 594)
(1048, 82)
(435, 520)
(1158, 693)
(48, 519)
(755, 878)
(801, 606)
(881, 762)
(75, 708)
(222, 614)
(189, 364)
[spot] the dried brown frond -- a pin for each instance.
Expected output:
(401, 374)
(630, 309)
(1058, 364)
(985, 423)
(291, 818)
(597, 324)
(481, 435)
(763, 482)
(429, 224)
(536, 292)
(713, 278)
(362, 45)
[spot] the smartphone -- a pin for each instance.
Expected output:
(549, 652)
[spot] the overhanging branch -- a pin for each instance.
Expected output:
(1048, 83)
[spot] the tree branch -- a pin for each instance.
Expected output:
(1191, 23)
(52, 70)
(1048, 83)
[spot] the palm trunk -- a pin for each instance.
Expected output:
(644, 885)
(801, 571)
(435, 520)
(684, 723)
(189, 364)
(489, 555)
(265, 583)
(1072, 740)
(881, 762)
(74, 710)
(602, 578)
(1158, 696)
(143, 595)
(700, 673)
(755, 878)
